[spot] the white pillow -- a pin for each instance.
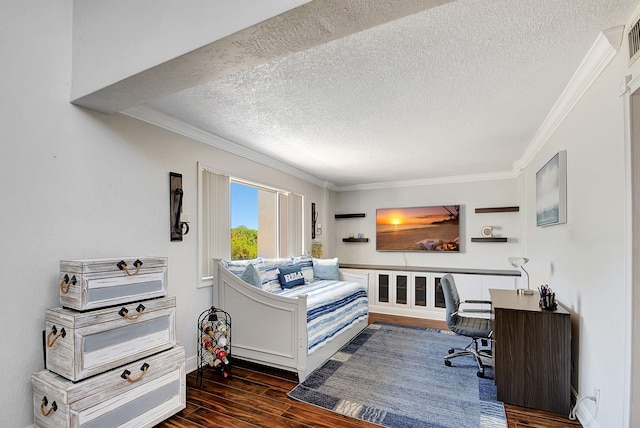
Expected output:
(326, 269)
(306, 265)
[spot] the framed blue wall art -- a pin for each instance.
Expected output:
(551, 191)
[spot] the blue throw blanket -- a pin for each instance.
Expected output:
(332, 306)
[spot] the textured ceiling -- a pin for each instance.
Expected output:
(458, 89)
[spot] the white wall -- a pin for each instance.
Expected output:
(584, 260)
(78, 184)
(116, 39)
(470, 195)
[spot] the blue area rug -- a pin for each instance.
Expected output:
(395, 376)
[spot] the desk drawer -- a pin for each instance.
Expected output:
(110, 400)
(83, 344)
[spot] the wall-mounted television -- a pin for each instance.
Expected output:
(426, 229)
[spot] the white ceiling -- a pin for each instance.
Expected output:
(458, 89)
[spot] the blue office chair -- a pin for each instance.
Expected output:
(478, 329)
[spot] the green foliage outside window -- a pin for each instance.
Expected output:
(244, 243)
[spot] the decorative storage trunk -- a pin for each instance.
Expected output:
(98, 283)
(83, 344)
(140, 394)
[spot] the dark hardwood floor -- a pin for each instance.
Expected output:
(256, 396)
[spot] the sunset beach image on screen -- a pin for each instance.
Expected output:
(433, 229)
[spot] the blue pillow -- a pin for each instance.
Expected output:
(251, 276)
(326, 269)
(290, 276)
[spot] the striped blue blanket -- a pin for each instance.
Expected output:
(332, 306)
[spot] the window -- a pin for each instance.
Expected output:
(254, 221)
(227, 203)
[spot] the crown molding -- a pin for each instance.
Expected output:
(506, 175)
(154, 117)
(601, 53)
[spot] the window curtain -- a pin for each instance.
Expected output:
(294, 229)
(216, 221)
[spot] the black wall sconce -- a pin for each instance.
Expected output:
(316, 228)
(179, 220)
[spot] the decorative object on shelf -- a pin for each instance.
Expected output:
(497, 210)
(487, 236)
(356, 215)
(214, 344)
(316, 249)
(551, 191)
(179, 220)
(547, 298)
(519, 262)
(487, 231)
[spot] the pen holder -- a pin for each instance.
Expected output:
(548, 302)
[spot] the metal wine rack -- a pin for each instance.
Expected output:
(214, 342)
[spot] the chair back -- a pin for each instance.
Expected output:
(451, 298)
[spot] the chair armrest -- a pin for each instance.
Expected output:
(475, 307)
(475, 311)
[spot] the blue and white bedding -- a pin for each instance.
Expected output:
(332, 306)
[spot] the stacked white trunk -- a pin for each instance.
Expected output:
(111, 365)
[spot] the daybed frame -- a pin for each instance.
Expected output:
(272, 330)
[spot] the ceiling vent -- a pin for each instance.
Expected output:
(634, 41)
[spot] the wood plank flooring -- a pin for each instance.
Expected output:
(256, 396)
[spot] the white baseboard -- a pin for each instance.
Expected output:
(191, 364)
(437, 315)
(586, 418)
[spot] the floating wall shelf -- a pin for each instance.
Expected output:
(350, 215)
(497, 210)
(355, 239)
(502, 239)
(494, 210)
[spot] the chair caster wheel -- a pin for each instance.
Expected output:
(480, 374)
(451, 351)
(447, 363)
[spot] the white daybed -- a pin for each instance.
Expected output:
(271, 329)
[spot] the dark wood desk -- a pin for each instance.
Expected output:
(532, 352)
